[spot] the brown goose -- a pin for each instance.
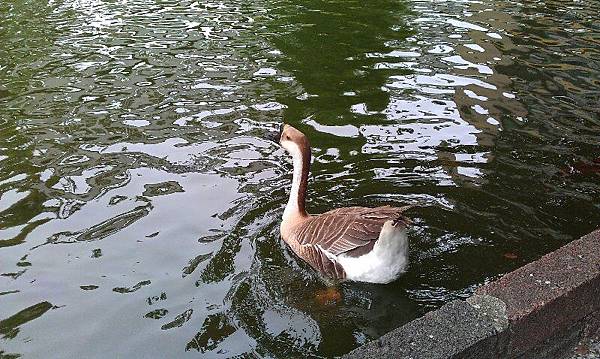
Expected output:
(354, 243)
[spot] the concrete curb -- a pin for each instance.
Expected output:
(541, 310)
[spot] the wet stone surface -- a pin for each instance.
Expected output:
(587, 349)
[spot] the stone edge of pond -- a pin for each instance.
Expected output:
(541, 310)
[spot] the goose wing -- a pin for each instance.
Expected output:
(345, 229)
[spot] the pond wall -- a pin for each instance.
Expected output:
(542, 310)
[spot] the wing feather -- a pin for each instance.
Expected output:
(344, 229)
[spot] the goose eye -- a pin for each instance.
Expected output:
(287, 137)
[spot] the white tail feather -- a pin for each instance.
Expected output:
(385, 262)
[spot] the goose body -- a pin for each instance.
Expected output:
(353, 243)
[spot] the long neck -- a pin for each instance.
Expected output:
(296, 203)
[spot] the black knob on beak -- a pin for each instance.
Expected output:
(275, 136)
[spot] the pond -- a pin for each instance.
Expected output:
(140, 201)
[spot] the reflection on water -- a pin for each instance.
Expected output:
(139, 202)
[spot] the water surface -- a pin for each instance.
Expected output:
(140, 202)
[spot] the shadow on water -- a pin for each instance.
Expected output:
(328, 47)
(138, 196)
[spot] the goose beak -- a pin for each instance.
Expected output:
(275, 136)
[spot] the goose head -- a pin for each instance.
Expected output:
(294, 141)
(297, 145)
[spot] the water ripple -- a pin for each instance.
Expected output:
(138, 194)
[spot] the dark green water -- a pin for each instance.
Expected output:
(140, 205)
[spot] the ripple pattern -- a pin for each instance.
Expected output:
(140, 202)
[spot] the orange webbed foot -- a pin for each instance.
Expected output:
(328, 296)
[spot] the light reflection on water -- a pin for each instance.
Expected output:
(140, 203)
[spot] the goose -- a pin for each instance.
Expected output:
(354, 243)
